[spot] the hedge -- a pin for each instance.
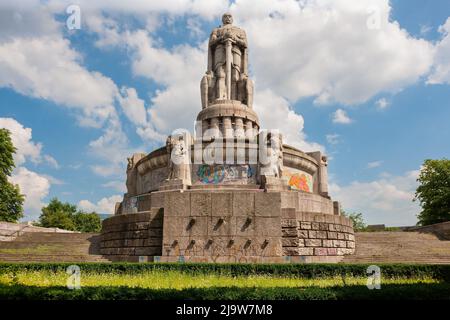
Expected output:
(388, 292)
(439, 272)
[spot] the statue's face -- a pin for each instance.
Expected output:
(227, 19)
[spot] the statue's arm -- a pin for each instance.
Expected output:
(213, 39)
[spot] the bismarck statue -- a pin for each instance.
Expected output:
(231, 192)
(227, 75)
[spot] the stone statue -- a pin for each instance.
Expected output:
(179, 157)
(274, 164)
(132, 173)
(227, 74)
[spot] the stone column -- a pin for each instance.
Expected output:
(249, 134)
(227, 127)
(323, 176)
(255, 129)
(239, 128)
(215, 131)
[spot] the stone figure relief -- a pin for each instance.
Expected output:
(178, 149)
(274, 153)
(227, 75)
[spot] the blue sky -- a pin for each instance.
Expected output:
(367, 82)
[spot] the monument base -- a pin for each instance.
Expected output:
(229, 226)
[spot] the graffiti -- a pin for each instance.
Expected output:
(213, 174)
(299, 181)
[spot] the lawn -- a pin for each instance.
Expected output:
(197, 281)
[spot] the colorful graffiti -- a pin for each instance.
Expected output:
(213, 174)
(300, 181)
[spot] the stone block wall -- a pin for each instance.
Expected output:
(315, 234)
(126, 237)
(228, 225)
(222, 226)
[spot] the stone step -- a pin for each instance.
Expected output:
(51, 258)
(52, 247)
(399, 247)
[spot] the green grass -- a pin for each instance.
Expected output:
(40, 249)
(212, 281)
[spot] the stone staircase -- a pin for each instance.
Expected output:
(52, 247)
(399, 247)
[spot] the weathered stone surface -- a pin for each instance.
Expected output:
(313, 242)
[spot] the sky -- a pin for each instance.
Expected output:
(367, 82)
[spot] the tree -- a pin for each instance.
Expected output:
(58, 215)
(87, 222)
(433, 191)
(357, 219)
(11, 201)
(64, 215)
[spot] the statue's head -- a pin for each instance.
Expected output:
(227, 18)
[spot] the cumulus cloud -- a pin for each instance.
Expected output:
(105, 205)
(275, 113)
(327, 49)
(441, 67)
(387, 200)
(340, 116)
(35, 187)
(27, 149)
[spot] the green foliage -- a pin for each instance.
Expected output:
(357, 219)
(87, 222)
(7, 151)
(11, 200)
(307, 271)
(58, 215)
(400, 281)
(65, 216)
(433, 192)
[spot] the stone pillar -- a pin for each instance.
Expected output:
(239, 128)
(227, 127)
(249, 134)
(321, 177)
(255, 130)
(323, 182)
(214, 130)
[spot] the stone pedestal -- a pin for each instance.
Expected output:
(271, 183)
(173, 184)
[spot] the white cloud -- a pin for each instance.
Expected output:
(387, 200)
(35, 187)
(48, 68)
(27, 149)
(340, 116)
(275, 113)
(105, 205)
(332, 138)
(133, 106)
(374, 164)
(324, 49)
(441, 67)
(117, 185)
(111, 149)
(382, 103)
